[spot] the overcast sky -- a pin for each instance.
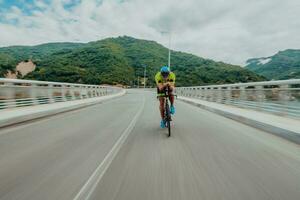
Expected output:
(224, 30)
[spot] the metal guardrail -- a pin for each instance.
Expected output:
(18, 93)
(278, 97)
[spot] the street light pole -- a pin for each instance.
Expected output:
(169, 56)
(145, 77)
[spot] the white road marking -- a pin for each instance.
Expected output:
(89, 187)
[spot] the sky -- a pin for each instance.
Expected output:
(231, 31)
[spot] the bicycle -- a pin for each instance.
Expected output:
(167, 114)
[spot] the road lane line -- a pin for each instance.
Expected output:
(89, 187)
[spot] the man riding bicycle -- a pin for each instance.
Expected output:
(165, 79)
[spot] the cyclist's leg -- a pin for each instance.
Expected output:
(172, 99)
(161, 102)
(162, 107)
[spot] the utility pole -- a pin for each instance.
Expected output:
(145, 77)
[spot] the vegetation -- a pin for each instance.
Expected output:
(283, 65)
(7, 63)
(21, 53)
(122, 60)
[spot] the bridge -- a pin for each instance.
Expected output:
(75, 141)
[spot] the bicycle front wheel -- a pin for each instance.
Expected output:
(168, 117)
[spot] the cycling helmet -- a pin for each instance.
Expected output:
(165, 71)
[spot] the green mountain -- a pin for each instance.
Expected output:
(22, 53)
(11, 56)
(283, 65)
(119, 60)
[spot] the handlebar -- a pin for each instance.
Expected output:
(167, 95)
(175, 95)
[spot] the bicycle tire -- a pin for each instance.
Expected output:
(168, 117)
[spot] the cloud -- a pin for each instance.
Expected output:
(230, 31)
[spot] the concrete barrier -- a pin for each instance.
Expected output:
(15, 116)
(284, 127)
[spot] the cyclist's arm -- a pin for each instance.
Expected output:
(171, 83)
(163, 85)
(159, 82)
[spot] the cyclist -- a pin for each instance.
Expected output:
(165, 78)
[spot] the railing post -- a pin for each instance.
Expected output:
(259, 93)
(63, 93)
(284, 93)
(284, 97)
(50, 93)
(72, 92)
(243, 95)
(259, 96)
(33, 93)
(89, 92)
(77, 92)
(198, 92)
(219, 95)
(83, 91)
(97, 91)
(181, 91)
(204, 93)
(93, 91)
(228, 95)
(208, 94)
(10, 93)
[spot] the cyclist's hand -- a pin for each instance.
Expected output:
(161, 87)
(166, 84)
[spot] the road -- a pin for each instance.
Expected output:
(208, 156)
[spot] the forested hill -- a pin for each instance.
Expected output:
(283, 65)
(118, 60)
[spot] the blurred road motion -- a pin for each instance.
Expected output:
(207, 157)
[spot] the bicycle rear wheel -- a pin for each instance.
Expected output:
(168, 117)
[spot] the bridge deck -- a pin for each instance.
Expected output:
(208, 156)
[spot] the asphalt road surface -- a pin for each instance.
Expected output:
(208, 157)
